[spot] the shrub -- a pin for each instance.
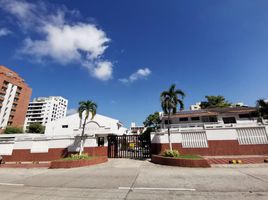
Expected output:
(36, 128)
(83, 156)
(12, 130)
(171, 153)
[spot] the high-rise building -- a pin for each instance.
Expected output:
(196, 106)
(46, 109)
(15, 95)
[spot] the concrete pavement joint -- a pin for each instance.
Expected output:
(252, 176)
(11, 184)
(160, 189)
(133, 183)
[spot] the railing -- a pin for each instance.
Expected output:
(210, 125)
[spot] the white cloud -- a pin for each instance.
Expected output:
(62, 40)
(139, 74)
(68, 43)
(4, 32)
(71, 111)
(103, 70)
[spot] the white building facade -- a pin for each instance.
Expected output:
(46, 109)
(62, 136)
(220, 131)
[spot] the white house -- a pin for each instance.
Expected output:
(219, 131)
(72, 126)
(61, 137)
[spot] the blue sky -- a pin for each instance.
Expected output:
(122, 54)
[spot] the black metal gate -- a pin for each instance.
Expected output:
(129, 146)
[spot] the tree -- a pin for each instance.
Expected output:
(85, 108)
(169, 102)
(152, 121)
(214, 102)
(13, 130)
(36, 128)
(262, 107)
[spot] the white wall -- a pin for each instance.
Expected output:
(99, 125)
(212, 134)
(42, 144)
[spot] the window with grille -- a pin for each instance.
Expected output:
(257, 135)
(194, 140)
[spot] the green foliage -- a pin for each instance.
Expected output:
(13, 130)
(262, 107)
(171, 153)
(88, 107)
(152, 121)
(170, 99)
(83, 156)
(215, 102)
(36, 128)
(146, 135)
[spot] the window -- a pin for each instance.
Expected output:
(183, 119)
(243, 116)
(195, 118)
(166, 121)
(64, 126)
(229, 120)
(100, 141)
(209, 119)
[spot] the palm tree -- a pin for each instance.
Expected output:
(87, 107)
(262, 107)
(169, 102)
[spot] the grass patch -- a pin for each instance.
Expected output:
(191, 157)
(70, 158)
(83, 156)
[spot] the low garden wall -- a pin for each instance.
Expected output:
(77, 163)
(158, 159)
(25, 155)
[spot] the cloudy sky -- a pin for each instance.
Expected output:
(122, 54)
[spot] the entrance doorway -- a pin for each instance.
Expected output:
(129, 146)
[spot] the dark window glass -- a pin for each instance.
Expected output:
(100, 141)
(229, 120)
(166, 121)
(209, 119)
(244, 116)
(195, 118)
(184, 119)
(64, 126)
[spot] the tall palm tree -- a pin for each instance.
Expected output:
(169, 102)
(262, 107)
(86, 107)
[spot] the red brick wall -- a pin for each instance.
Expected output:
(53, 154)
(179, 162)
(223, 147)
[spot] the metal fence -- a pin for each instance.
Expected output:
(129, 146)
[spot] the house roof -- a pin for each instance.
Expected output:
(213, 112)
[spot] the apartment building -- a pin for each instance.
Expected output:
(14, 99)
(46, 109)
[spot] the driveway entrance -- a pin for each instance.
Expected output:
(129, 146)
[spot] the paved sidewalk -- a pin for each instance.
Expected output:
(133, 179)
(254, 159)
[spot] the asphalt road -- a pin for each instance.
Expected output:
(132, 179)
